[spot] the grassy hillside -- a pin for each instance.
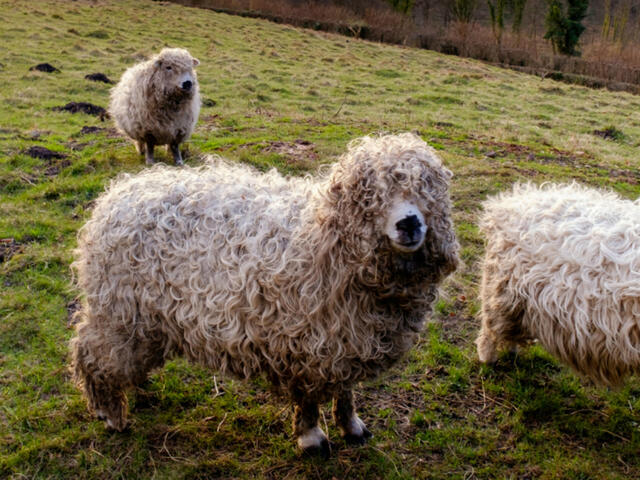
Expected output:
(283, 97)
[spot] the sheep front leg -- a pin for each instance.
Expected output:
(353, 429)
(148, 151)
(141, 147)
(310, 437)
(175, 151)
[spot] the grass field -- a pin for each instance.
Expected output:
(281, 97)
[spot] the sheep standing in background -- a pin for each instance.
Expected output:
(317, 284)
(562, 266)
(157, 102)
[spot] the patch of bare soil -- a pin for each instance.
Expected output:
(84, 107)
(578, 160)
(54, 161)
(523, 152)
(8, 248)
(44, 67)
(609, 133)
(53, 169)
(43, 153)
(98, 77)
(77, 146)
(89, 129)
(298, 151)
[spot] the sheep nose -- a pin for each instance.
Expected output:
(187, 85)
(409, 229)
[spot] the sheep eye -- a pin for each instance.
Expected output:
(169, 68)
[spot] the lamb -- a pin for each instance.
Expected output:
(157, 102)
(562, 266)
(315, 283)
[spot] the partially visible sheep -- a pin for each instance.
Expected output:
(316, 284)
(157, 102)
(562, 266)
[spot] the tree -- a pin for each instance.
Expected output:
(518, 11)
(498, 10)
(463, 10)
(403, 6)
(615, 21)
(497, 18)
(420, 13)
(564, 28)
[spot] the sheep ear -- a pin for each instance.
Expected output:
(196, 62)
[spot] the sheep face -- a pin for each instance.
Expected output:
(389, 200)
(405, 226)
(174, 74)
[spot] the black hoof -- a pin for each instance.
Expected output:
(352, 439)
(323, 450)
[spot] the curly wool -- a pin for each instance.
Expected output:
(145, 103)
(562, 266)
(253, 273)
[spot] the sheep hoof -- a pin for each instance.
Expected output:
(355, 432)
(487, 359)
(354, 439)
(486, 351)
(323, 450)
(112, 424)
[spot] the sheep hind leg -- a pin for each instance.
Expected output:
(353, 430)
(310, 437)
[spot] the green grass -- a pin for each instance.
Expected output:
(437, 415)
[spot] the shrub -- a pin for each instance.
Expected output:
(564, 29)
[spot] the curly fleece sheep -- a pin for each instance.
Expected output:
(316, 283)
(157, 102)
(562, 266)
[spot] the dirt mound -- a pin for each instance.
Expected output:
(44, 153)
(84, 107)
(8, 248)
(44, 67)
(89, 129)
(609, 133)
(54, 169)
(98, 77)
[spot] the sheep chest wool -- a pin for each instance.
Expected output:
(316, 283)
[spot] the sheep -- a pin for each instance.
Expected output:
(157, 102)
(317, 283)
(562, 267)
